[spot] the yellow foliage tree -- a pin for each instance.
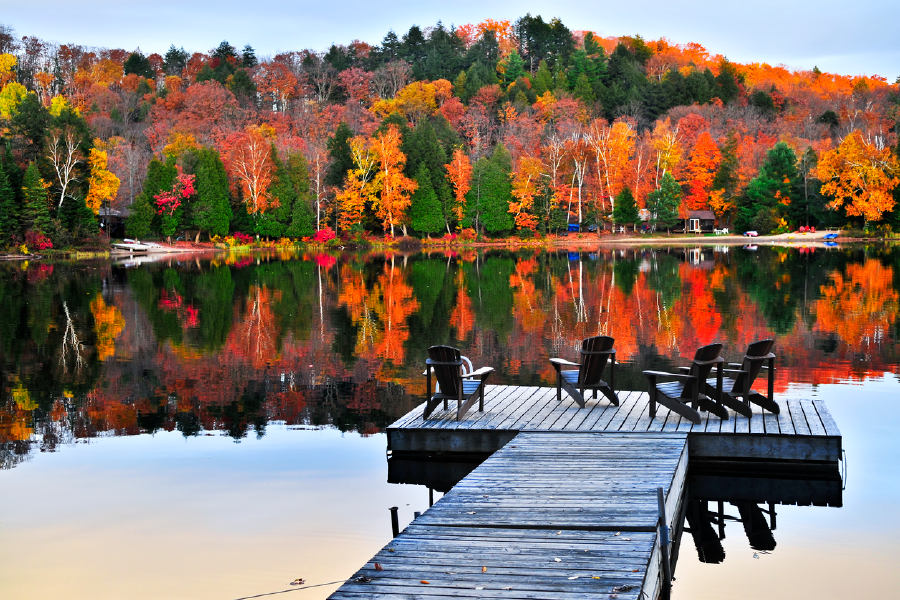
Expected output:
(359, 188)
(7, 62)
(103, 185)
(10, 96)
(59, 104)
(860, 175)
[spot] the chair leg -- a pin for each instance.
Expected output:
(766, 403)
(609, 393)
(558, 386)
(677, 406)
(579, 399)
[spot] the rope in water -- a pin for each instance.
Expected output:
(296, 589)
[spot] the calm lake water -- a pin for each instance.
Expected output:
(210, 427)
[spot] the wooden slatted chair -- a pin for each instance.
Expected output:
(453, 381)
(740, 380)
(588, 374)
(690, 387)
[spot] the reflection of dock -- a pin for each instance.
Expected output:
(565, 506)
(803, 431)
(548, 516)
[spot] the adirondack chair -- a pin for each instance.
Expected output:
(740, 380)
(453, 381)
(690, 386)
(587, 375)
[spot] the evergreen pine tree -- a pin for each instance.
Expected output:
(341, 158)
(425, 211)
(272, 223)
(771, 192)
(665, 202)
(543, 79)
(212, 211)
(515, 67)
(9, 210)
(496, 192)
(303, 218)
(142, 218)
(626, 211)
(583, 90)
(35, 212)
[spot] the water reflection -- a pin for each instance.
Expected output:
(235, 342)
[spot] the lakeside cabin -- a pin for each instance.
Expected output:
(700, 221)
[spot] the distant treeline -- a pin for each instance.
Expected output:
(498, 127)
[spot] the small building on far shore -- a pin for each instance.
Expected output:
(700, 221)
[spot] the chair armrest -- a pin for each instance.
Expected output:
(734, 364)
(684, 369)
(734, 371)
(665, 374)
(564, 362)
(479, 373)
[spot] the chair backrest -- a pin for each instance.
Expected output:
(448, 375)
(593, 363)
(704, 354)
(757, 353)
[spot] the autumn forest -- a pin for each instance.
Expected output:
(491, 129)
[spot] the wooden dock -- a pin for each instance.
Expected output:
(550, 515)
(804, 431)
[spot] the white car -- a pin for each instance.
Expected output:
(750, 233)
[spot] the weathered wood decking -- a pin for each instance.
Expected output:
(804, 430)
(551, 515)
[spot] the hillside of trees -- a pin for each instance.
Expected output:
(496, 128)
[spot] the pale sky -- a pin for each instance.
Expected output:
(847, 37)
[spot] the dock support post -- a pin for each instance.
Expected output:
(430, 497)
(664, 546)
(395, 524)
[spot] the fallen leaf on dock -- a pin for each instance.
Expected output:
(471, 512)
(575, 577)
(619, 533)
(627, 539)
(559, 533)
(378, 567)
(635, 570)
(426, 582)
(479, 587)
(507, 588)
(298, 581)
(363, 579)
(390, 550)
(450, 573)
(484, 569)
(557, 560)
(595, 577)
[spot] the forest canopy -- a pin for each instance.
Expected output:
(493, 128)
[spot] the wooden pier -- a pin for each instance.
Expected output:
(551, 515)
(804, 431)
(566, 505)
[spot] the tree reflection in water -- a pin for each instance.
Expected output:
(232, 343)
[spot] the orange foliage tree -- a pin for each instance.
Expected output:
(395, 187)
(524, 188)
(701, 171)
(359, 188)
(459, 172)
(860, 174)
